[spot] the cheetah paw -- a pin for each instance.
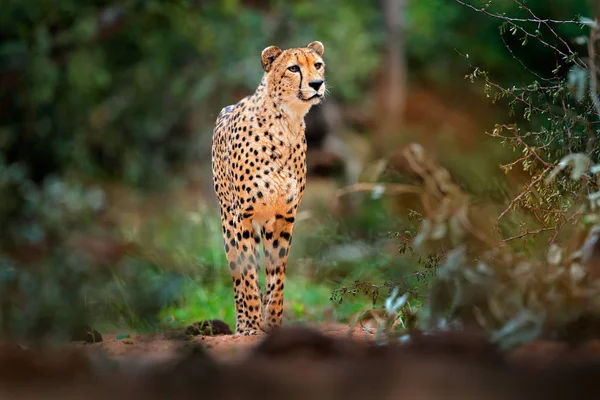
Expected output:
(250, 332)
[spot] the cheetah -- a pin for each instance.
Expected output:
(259, 173)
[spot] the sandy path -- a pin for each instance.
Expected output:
(165, 345)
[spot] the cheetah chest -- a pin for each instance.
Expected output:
(270, 172)
(280, 186)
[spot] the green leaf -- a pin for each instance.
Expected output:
(588, 22)
(122, 336)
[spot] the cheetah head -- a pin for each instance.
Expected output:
(295, 77)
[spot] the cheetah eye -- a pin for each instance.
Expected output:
(318, 65)
(294, 68)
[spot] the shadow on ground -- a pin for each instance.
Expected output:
(303, 363)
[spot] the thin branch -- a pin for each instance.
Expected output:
(523, 193)
(534, 20)
(521, 99)
(529, 233)
(569, 54)
(522, 63)
(530, 152)
(405, 238)
(535, 154)
(510, 165)
(547, 24)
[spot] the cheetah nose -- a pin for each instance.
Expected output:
(315, 84)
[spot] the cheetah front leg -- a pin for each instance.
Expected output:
(277, 239)
(245, 270)
(241, 248)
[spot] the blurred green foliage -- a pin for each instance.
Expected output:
(439, 33)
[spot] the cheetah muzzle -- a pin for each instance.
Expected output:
(259, 172)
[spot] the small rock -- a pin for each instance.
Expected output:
(85, 334)
(208, 328)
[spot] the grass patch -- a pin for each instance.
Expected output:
(187, 248)
(305, 302)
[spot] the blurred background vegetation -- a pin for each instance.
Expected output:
(106, 116)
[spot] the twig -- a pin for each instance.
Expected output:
(522, 63)
(517, 161)
(535, 154)
(546, 23)
(406, 239)
(522, 100)
(534, 20)
(525, 191)
(512, 22)
(529, 233)
(530, 152)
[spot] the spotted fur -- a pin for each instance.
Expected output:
(259, 171)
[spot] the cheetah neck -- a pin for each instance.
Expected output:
(290, 114)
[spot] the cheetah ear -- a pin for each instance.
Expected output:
(269, 55)
(317, 47)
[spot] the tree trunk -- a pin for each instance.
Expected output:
(391, 90)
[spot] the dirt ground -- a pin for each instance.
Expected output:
(166, 345)
(299, 363)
